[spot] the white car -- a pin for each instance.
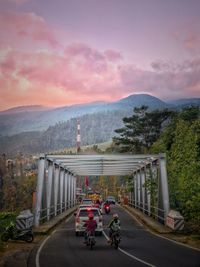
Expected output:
(82, 217)
(87, 201)
(111, 199)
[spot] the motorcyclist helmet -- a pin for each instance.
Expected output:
(115, 216)
(91, 216)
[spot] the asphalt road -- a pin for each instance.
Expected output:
(138, 248)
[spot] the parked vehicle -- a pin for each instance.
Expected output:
(13, 233)
(82, 217)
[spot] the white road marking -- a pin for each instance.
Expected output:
(37, 259)
(130, 255)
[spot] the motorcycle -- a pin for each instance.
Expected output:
(107, 209)
(90, 240)
(115, 239)
(13, 233)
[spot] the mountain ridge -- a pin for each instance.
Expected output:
(39, 120)
(51, 130)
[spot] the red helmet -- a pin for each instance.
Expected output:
(91, 216)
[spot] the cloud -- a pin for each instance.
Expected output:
(189, 38)
(113, 56)
(166, 80)
(19, 27)
(81, 73)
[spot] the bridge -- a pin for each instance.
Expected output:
(57, 175)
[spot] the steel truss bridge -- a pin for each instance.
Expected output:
(57, 174)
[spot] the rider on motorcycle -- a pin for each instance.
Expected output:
(90, 225)
(114, 226)
(106, 204)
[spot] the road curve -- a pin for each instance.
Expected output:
(138, 248)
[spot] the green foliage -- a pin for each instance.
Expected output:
(181, 142)
(5, 219)
(190, 114)
(141, 130)
(179, 138)
(17, 193)
(184, 168)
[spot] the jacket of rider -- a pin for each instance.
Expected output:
(91, 225)
(114, 225)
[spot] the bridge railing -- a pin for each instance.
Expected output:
(154, 212)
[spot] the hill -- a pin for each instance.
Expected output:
(26, 119)
(43, 131)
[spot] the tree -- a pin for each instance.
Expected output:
(181, 142)
(184, 167)
(141, 130)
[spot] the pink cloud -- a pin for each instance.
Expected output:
(189, 38)
(16, 26)
(84, 74)
(166, 80)
(113, 56)
(79, 74)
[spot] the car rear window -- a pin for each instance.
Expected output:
(88, 201)
(85, 213)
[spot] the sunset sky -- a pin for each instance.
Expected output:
(64, 52)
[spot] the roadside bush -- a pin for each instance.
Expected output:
(5, 219)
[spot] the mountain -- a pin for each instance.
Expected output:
(41, 131)
(95, 128)
(24, 109)
(184, 102)
(33, 118)
(138, 100)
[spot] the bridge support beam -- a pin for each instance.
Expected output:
(163, 186)
(143, 189)
(135, 190)
(65, 188)
(56, 188)
(39, 190)
(150, 189)
(49, 188)
(74, 191)
(69, 190)
(61, 188)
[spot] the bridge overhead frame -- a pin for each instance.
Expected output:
(56, 184)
